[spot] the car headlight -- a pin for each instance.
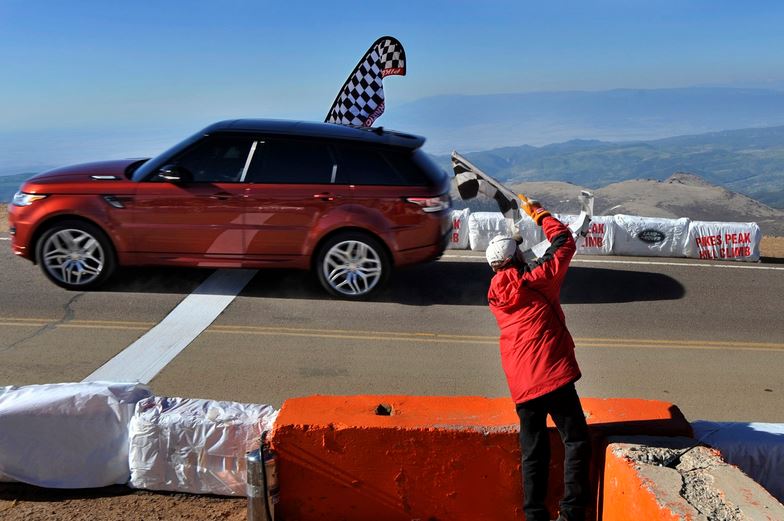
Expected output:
(24, 199)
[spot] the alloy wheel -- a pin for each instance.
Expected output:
(73, 257)
(352, 268)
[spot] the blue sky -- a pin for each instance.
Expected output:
(169, 67)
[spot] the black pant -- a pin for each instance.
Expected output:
(563, 405)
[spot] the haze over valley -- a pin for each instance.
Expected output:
(595, 140)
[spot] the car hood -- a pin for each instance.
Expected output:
(85, 172)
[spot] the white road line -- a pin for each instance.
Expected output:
(145, 358)
(577, 260)
(5, 238)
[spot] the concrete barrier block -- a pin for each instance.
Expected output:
(699, 485)
(430, 458)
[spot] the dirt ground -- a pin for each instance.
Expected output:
(25, 503)
(772, 247)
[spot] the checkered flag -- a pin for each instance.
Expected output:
(361, 100)
(471, 182)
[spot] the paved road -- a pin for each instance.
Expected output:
(708, 338)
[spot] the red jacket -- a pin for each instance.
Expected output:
(537, 351)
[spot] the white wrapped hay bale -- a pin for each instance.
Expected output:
(459, 237)
(531, 233)
(195, 446)
(600, 236)
(70, 435)
(723, 241)
(3, 478)
(483, 226)
(756, 448)
(649, 236)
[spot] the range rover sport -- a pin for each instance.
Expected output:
(348, 203)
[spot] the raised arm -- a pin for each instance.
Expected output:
(549, 270)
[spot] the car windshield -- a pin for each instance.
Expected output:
(130, 169)
(151, 166)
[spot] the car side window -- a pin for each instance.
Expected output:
(280, 161)
(405, 164)
(367, 166)
(216, 159)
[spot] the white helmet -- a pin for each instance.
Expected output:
(500, 251)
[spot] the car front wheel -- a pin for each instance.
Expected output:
(352, 265)
(75, 255)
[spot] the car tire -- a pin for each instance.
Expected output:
(352, 265)
(76, 255)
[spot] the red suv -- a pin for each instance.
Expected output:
(346, 202)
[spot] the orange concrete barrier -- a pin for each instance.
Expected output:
(699, 485)
(430, 458)
(627, 495)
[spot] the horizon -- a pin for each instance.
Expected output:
(12, 171)
(112, 79)
(31, 170)
(720, 158)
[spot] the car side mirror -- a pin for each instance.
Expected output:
(174, 174)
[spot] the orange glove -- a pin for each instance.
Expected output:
(534, 209)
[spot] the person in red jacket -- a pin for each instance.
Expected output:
(537, 355)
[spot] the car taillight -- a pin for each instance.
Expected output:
(432, 204)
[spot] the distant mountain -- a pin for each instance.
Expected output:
(680, 195)
(749, 161)
(481, 122)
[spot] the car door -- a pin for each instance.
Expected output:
(292, 185)
(385, 182)
(201, 214)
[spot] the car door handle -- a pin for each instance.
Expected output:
(324, 196)
(221, 196)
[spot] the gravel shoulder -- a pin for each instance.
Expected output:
(772, 247)
(118, 503)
